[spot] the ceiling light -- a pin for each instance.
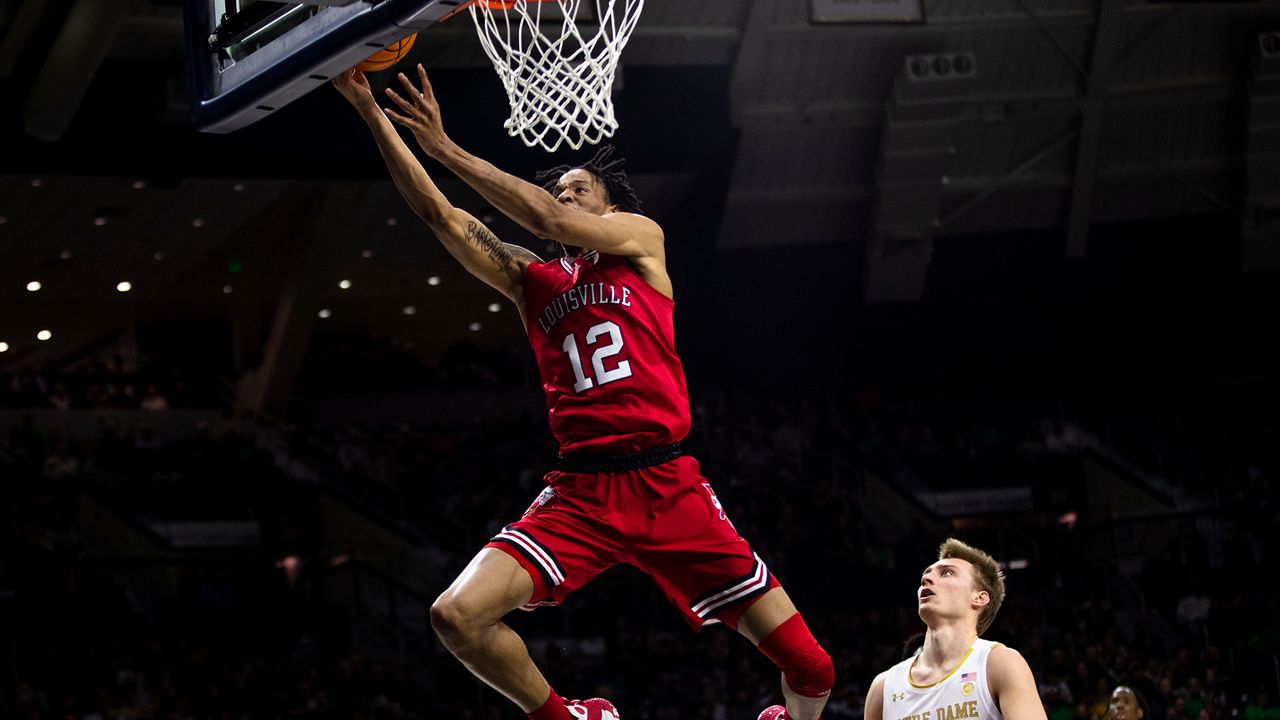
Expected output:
(366, 254)
(226, 289)
(44, 335)
(474, 327)
(197, 223)
(33, 286)
(65, 255)
(124, 286)
(159, 255)
(238, 187)
(393, 221)
(36, 182)
(494, 307)
(99, 221)
(3, 219)
(344, 284)
(324, 313)
(139, 184)
(433, 280)
(410, 310)
(4, 347)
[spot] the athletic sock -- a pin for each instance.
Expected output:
(552, 709)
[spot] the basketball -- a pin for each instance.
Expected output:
(388, 56)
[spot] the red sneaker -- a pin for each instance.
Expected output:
(592, 709)
(774, 712)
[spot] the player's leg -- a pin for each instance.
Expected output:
(708, 570)
(467, 618)
(555, 548)
(773, 625)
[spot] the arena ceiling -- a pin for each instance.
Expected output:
(988, 116)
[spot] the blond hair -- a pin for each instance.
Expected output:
(987, 576)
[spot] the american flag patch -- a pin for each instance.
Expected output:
(969, 676)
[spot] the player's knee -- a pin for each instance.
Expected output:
(806, 667)
(453, 619)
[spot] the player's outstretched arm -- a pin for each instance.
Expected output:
(499, 264)
(1013, 686)
(873, 707)
(527, 204)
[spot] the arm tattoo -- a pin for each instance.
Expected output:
(497, 250)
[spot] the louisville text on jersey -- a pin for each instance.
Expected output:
(582, 296)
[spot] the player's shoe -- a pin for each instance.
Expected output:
(774, 712)
(592, 709)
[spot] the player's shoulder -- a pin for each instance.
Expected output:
(636, 221)
(1005, 662)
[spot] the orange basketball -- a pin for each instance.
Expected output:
(388, 56)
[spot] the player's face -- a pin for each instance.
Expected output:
(581, 190)
(1124, 705)
(947, 590)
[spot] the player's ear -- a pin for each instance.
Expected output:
(982, 599)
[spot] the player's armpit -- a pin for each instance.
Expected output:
(1013, 686)
(873, 708)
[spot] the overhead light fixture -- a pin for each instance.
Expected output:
(344, 284)
(197, 222)
(124, 286)
(64, 255)
(4, 346)
(159, 255)
(139, 184)
(226, 289)
(474, 327)
(410, 310)
(3, 219)
(324, 313)
(393, 221)
(36, 182)
(99, 221)
(494, 307)
(34, 286)
(44, 335)
(433, 280)
(366, 253)
(940, 66)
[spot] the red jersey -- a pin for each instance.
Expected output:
(605, 343)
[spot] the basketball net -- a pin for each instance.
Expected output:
(559, 84)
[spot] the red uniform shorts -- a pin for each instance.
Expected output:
(664, 520)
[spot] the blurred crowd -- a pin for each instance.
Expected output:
(1191, 629)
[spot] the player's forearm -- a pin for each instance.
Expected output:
(410, 178)
(529, 205)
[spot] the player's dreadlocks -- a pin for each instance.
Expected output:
(617, 188)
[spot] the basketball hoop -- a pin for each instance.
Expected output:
(558, 83)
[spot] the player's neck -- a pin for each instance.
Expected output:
(945, 646)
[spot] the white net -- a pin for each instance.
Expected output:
(558, 79)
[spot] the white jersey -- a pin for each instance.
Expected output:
(963, 694)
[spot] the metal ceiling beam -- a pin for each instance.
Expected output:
(24, 22)
(1008, 178)
(70, 66)
(1092, 109)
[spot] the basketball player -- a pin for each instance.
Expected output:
(600, 323)
(956, 674)
(1125, 704)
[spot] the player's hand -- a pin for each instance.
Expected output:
(354, 86)
(419, 111)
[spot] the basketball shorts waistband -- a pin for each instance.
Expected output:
(619, 463)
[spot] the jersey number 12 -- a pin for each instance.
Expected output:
(602, 376)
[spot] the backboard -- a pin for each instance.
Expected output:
(248, 58)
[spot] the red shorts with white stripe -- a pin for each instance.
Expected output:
(664, 520)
